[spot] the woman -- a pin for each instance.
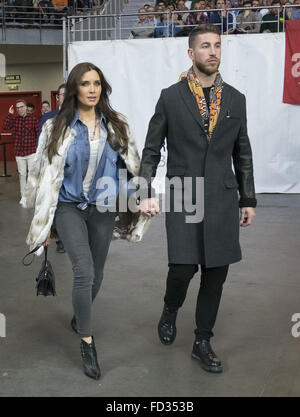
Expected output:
(86, 143)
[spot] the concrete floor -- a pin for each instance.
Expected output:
(40, 354)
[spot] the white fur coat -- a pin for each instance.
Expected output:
(45, 180)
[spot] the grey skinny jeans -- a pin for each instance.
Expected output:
(86, 236)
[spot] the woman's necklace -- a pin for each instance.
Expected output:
(93, 133)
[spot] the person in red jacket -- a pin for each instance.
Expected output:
(25, 129)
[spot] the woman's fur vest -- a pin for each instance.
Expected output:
(45, 180)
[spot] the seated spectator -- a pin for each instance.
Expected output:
(46, 9)
(195, 19)
(220, 18)
(288, 10)
(295, 15)
(233, 13)
(270, 20)
(165, 28)
(248, 21)
(181, 7)
(162, 4)
(265, 10)
(158, 13)
(144, 28)
(171, 7)
(151, 17)
(255, 5)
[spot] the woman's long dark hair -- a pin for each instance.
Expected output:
(67, 112)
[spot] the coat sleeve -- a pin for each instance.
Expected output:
(243, 165)
(34, 174)
(157, 132)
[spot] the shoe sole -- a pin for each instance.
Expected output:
(95, 377)
(214, 370)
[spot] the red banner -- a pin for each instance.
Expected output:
(291, 93)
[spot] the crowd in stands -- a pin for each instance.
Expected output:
(169, 18)
(45, 11)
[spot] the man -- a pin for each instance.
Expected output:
(30, 108)
(296, 11)
(60, 96)
(248, 21)
(204, 121)
(45, 107)
(270, 20)
(144, 28)
(220, 18)
(195, 19)
(25, 129)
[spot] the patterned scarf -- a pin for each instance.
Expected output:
(209, 115)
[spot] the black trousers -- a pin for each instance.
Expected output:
(209, 295)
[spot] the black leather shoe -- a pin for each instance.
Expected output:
(167, 326)
(89, 358)
(60, 247)
(209, 361)
(74, 324)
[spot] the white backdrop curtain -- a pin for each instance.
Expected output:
(254, 64)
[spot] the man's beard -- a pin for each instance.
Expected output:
(205, 69)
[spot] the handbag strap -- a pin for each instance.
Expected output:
(33, 251)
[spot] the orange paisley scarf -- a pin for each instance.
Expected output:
(209, 115)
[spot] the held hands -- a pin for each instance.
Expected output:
(247, 215)
(149, 207)
(11, 110)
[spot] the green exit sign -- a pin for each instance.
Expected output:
(13, 79)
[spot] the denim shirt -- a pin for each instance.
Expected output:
(76, 167)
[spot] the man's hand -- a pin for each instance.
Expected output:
(247, 215)
(11, 110)
(149, 207)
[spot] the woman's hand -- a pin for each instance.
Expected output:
(149, 207)
(48, 240)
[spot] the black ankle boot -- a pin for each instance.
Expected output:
(166, 326)
(74, 324)
(209, 361)
(89, 358)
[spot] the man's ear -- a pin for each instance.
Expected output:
(191, 53)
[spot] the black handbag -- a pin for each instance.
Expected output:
(45, 281)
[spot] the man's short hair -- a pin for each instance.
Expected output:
(31, 105)
(275, 2)
(201, 30)
(21, 101)
(247, 2)
(45, 102)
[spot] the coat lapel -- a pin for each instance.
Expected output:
(190, 102)
(225, 106)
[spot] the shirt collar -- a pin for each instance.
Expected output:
(77, 118)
